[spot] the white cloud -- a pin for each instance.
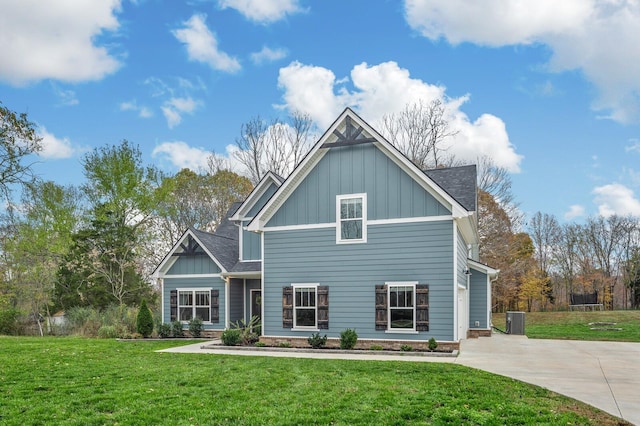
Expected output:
(56, 40)
(268, 55)
(634, 147)
(174, 108)
(598, 37)
(617, 199)
(202, 45)
(142, 111)
(575, 210)
(54, 147)
(181, 155)
(263, 11)
(384, 89)
(67, 97)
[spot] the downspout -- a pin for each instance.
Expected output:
(262, 294)
(456, 326)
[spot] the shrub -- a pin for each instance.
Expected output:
(8, 321)
(164, 330)
(317, 342)
(406, 348)
(249, 331)
(176, 329)
(433, 345)
(144, 320)
(376, 347)
(195, 327)
(260, 344)
(231, 336)
(107, 332)
(348, 339)
(284, 345)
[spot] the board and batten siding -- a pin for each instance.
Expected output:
(421, 251)
(478, 299)
(391, 192)
(187, 265)
(170, 284)
(262, 200)
(251, 244)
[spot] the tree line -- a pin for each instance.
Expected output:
(95, 244)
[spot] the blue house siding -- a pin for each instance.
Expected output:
(478, 300)
(251, 245)
(193, 265)
(236, 299)
(420, 252)
(391, 192)
(170, 284)
(262, 200)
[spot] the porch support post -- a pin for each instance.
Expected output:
(227, 314)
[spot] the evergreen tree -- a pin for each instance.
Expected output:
(144, 320)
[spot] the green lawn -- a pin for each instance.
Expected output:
(575, 325)
(87, 382)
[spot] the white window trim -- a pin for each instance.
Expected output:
(339, 199)
(193, 313)
(315, 288)
(401, 284)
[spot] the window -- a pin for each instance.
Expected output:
(304, 307)
(402, 307)
(351, 214)
(194, 303)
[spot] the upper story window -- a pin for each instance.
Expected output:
(351, 218)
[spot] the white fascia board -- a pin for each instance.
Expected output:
(255, 195)
(293, 181)
(222, 268)
(468, 227)
(246, 274)
(491, 272)
(169, 259)
(299, 173)
(315, 154)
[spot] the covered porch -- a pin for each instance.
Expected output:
(243, 298)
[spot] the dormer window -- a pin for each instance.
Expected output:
(351, 215)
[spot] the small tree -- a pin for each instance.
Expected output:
(144, 320)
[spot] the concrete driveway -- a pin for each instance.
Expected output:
(603, 374)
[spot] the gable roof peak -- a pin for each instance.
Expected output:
(245, 206)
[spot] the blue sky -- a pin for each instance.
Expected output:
(549, 90)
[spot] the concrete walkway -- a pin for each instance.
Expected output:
(603, 374)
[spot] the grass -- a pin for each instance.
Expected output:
(574, 325)
(90, 382)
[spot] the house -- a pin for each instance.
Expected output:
(356, 237)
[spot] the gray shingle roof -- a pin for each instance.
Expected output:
(252, 266)
(459, 182)
(223, 243)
